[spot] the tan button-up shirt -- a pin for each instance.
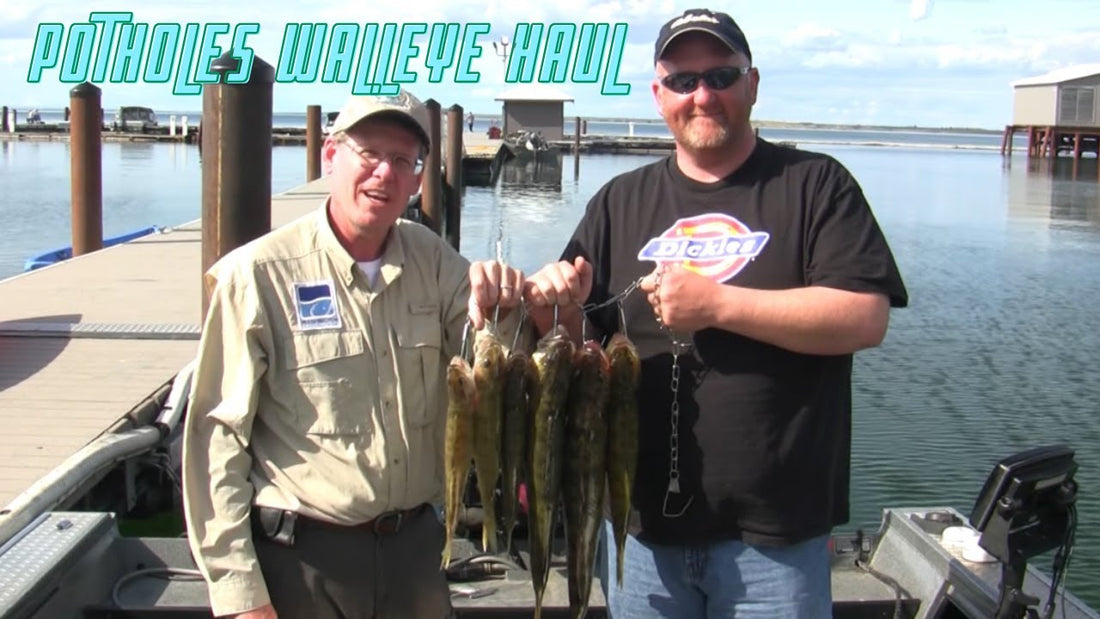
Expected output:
(315, 393)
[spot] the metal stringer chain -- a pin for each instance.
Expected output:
(678, 348)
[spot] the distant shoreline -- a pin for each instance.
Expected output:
(778, 124)
(782, 124)
(568, 120)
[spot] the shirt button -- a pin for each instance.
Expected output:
(385, 353)
(396, 461)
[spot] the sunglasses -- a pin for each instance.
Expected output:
(718, 78)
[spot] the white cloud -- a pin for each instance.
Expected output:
(814, 38)
(920, 9)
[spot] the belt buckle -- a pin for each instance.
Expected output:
(388, 523)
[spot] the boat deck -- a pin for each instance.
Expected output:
(76, 564)
(84, 342)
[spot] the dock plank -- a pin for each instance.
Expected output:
(117, 376)
(86, 341)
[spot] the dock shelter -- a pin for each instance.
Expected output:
(537, 108)
(1059, 111)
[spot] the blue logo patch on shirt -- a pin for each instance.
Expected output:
(315, 305)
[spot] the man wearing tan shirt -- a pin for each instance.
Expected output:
(313, 444)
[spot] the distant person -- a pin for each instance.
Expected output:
(771, 271)
(493, 132)
(68, 112)
(470, 122)
(313, 445)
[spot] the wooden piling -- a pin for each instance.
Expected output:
(453, 210)
(86, 169)
(313, 142)
(576, 147)
(236, 163)
(1007, 139)
(431, 198)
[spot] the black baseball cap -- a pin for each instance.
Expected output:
(719, 25)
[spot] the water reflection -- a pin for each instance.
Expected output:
(1063, 190)
(138, 154)
(540, 171)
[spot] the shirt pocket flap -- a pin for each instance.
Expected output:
(422, 328)
(312, 348)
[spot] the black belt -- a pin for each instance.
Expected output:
(281, 525)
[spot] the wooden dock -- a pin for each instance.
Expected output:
(481, 159)
(1051, 140)
(85, 342)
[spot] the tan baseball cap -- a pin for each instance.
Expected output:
(403, 107)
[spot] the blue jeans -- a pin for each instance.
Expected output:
(721, 580)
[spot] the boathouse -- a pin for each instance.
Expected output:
(536, 108)
(1059, 111)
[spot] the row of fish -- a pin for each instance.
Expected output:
(564, 422)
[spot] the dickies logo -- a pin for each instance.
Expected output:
(714, 245)
(315, 304)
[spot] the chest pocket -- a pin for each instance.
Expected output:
(419, 338)
(325, 395)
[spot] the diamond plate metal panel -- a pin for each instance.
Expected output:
(28, 559)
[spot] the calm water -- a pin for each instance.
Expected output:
(997, 352)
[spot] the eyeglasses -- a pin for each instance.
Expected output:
(399, 163)
(718, 78)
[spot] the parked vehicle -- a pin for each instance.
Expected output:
(134, 118)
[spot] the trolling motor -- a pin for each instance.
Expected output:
(1027, 507)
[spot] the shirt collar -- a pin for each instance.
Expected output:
(393, 254)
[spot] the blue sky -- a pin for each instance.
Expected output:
(929, 63)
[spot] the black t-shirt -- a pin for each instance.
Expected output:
(764, 433)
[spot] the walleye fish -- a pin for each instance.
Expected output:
(553, 359)
(489, 379)
(584, 475)
(622, 437)
(520, 381)
(458, 447)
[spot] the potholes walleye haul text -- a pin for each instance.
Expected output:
(374, 58)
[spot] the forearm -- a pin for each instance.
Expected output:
(815, 320)
(217, 504)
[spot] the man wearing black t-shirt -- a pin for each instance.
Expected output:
(762, 271)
